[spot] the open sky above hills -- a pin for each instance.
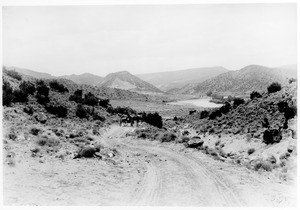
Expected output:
(63, 40)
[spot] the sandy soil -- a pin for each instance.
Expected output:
(142, 173)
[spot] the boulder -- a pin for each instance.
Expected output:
(87, 152)
(195, 143)
(40, 117)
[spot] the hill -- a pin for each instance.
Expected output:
(243, 81)
(177, 79)
(31, 73)
(126, 81)
(86, 78)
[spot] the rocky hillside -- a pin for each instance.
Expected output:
(86, 78)
(126, 81)
(253, 117)
(243, 81)
(177, 79)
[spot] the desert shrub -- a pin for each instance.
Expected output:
(58, 110)
(225, 108)
(47, 141)
(122, 110)
(230, 98)
(104, 103)
(42, 99)
(14, 75)
(42, 88)
(255, 94)
(251, 151)
(185, 139)
(290, 112)
(291, 80)
(81, 112)
(185, 132)
(77, 96)
(90, 99)
(209, 93)
(167, 137)
(274, 87)
(282, 106)
(214, 114)
(217, 143)
(56, 86)
(20, 96)
(7, 96)
(34, 131)
(175, 118)
(27, 87)
(153, 119)
(265, 123)
(28, 110)
(97, 116)
(272, 136)
(237, 102)
(12, 135)
(204, 114)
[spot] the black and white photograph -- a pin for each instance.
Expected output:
(161, 104)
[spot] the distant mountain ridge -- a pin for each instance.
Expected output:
(177, 79)
(86, 78)
(243, 81)
(125, 80)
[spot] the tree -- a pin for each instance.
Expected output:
(7, 95)
(274, 87)
(237, 102)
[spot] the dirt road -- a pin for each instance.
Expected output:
(142, 173)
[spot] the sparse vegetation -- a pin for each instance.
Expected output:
(168, 137)
(47, 141)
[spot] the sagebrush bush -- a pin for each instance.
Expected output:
(274, 87)
(42, 88)
(27, 87)
(58, 110)
(56, 86)
(77, 96)
(28, 110)
(81, 112)
(153, 119)
(34, 131)
(214, 114)
(272, 136)
(225, 108)
(14, 74)
(7, 96)
(204, 114)
(90, 99)
(265, 165)
(20, 96)
(104, 103)
(255, 94)
(282, 106)
(48, 141)
(42, 99)
(237, 102)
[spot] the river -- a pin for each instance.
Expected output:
(201, 102)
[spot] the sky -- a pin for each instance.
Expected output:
(64, 40)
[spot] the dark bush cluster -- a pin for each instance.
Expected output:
(121, 110)
(255, 94)
(56, 86)
(14, 75)
(167, 137)
(104, 103)
(58, 110)
(81, 111)
(20, 96)
(28, 110)
(237, 102)
(289, 111)
(27, 87)
(7, 95)
(42, 95)
(214, 114)
(272, 136)
(153, 119)
(274, 87)
(204, 114)
(225, 108)
(77, 96)
(90, 99)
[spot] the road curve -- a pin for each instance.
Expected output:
(172, 178)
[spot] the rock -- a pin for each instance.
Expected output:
(291, 148)
(87, 152)
(194, 143)
(40, 117)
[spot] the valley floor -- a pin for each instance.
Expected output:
(142, 173)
